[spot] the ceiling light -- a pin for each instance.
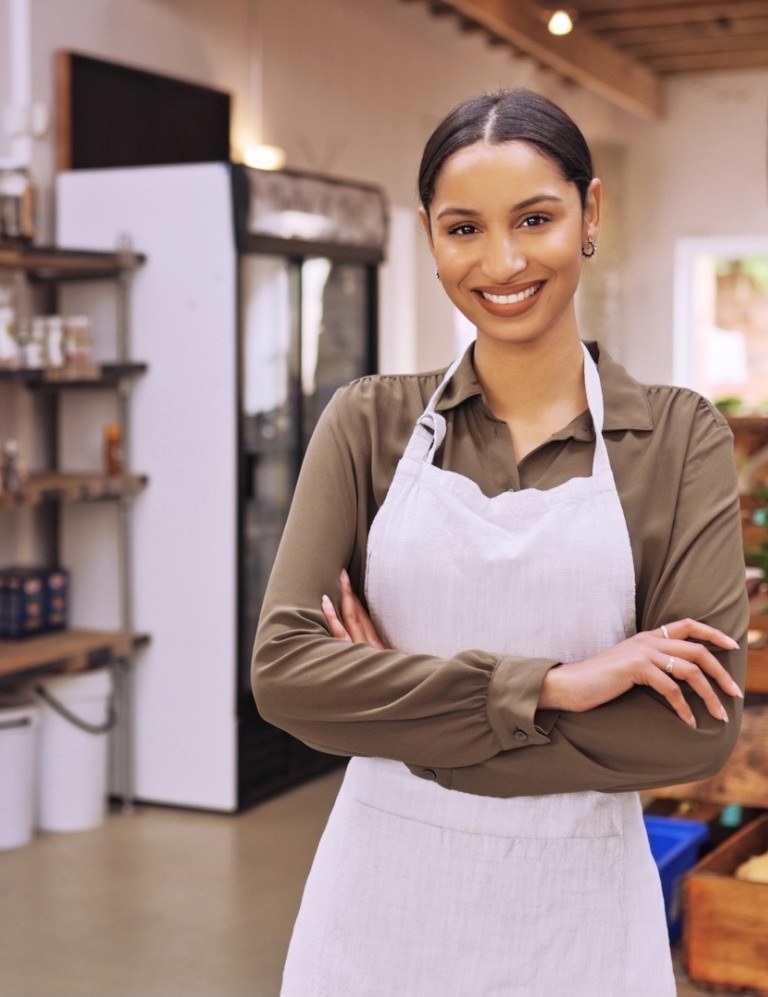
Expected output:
(560, 23)
(264, 157)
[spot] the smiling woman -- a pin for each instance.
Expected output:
(510, 619)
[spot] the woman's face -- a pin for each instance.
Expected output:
(507, 231)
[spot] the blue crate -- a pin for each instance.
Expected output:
(675, 846)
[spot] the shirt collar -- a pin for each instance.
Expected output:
(626, 404)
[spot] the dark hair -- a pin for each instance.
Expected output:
(504, 116)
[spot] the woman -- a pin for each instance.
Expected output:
(542, 610)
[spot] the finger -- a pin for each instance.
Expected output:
(672, 692)
(355, 616)
(334, 623)
(352, 612)
(685, 671)
(686, 629)
(705, 661)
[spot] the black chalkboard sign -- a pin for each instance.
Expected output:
(111, 114)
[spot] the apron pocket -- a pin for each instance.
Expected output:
(417, 909)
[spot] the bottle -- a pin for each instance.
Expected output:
(18, 204)
(54, 341)
(113, 450)
(77, 340)
(9, 344)
(11, 471)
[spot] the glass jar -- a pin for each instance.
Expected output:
(18, 204)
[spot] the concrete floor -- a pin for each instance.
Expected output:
(162, 902)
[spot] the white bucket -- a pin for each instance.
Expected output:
(76, 715)
(19, 726)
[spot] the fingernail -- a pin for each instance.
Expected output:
(733, 643)
(736, 690)
(326, 603)
(691, 721)
(724, 715)
(344, 576)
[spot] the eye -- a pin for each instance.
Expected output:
(534, 221)
(465, 228)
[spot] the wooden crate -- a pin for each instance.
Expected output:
(725, 922)
(757, 669)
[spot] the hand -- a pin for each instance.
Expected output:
(661, 659)
(355, 624)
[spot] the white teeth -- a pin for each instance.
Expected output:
(511, 299)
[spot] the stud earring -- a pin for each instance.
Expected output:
(437, 274)
(592, 249)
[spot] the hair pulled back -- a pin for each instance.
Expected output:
(505, 116)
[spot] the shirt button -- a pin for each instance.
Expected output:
(520, 735)
(430, 774)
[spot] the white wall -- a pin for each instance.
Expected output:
(353, 88)
(345, 87)
(701, 172)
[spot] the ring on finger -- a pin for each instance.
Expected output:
(664, 631)
(670, 666)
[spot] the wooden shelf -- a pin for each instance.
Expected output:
(84, 487)
(45, 263)
(105, 375)
(67, 651)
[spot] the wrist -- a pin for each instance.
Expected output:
(552, 694)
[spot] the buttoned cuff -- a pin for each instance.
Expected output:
(513, 701)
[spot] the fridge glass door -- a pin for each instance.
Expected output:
(270, 425)
(334, 332)
(305, 332)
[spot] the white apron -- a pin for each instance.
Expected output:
(421, 891)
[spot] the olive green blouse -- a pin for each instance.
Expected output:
(472, 722)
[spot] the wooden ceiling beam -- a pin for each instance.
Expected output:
(640, 15)
(705, 46)
(578, 56)
(673, 35)
(707, 62)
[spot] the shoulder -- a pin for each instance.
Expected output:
(654, 408)
(372, 418)
(673, 404)
(385, 400)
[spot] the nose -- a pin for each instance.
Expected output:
(503, 259)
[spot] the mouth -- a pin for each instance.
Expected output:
(512, 299)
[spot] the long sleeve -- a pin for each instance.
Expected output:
(471, 722)
(692, 567)
(351, 699)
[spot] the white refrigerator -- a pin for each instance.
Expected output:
(257, 299)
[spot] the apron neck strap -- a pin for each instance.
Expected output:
(430, 431)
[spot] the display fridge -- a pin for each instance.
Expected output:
(258, 300)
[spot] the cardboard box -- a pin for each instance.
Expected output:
(22, 603)
(32, 601)
(725, 929)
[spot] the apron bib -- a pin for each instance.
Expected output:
(416, 890)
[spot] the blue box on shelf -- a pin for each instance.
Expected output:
(675, 846)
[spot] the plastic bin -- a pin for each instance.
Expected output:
(76, 715)
(675, 846)
(19, 726)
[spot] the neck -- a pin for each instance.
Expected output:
(535, 388)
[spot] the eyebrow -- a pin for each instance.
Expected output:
(520, 206)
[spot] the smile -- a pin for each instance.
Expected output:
(511, 299)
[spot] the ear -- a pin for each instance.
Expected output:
(593, 209)
(424, 219)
